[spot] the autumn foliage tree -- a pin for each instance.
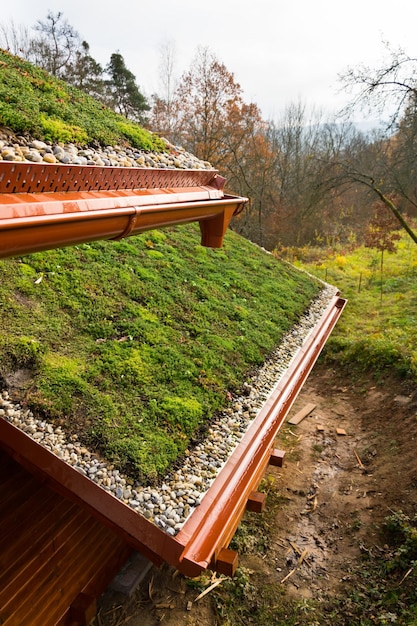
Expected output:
(209, 96)
(382, 231)
(209, 117)
(250, 166)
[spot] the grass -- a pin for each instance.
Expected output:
(35, 103)
(135, 344)
(378, 329)
(250, 597)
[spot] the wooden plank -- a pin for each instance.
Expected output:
(40, 572)
(50, 587)
(94, 556)
(14, 523)
(34, 543)
(53, 554)
(15, 489)
(298, 417)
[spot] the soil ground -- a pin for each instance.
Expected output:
(334, 491)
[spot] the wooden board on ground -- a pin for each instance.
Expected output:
(298, 417)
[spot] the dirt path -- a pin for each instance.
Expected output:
(333, 492)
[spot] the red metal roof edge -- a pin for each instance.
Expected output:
(28, 177)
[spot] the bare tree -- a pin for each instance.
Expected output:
(391, 174)
(300, 139)
(165, 110)
(55, 46)
(167, 58)
(384, 90)
(15, 38)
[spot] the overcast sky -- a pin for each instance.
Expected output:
(279, 51)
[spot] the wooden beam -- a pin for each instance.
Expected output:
(227, 562)
(256, 502)
(277, 458)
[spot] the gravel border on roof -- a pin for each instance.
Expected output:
(22, 149)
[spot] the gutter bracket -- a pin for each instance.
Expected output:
(130, 225)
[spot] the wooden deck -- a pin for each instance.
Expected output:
(55, 558)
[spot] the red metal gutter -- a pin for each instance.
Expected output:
(210, 527)
(49, 206)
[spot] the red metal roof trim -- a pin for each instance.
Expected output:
(48, 178)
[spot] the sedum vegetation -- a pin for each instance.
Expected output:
(134, 345)
(36, 103)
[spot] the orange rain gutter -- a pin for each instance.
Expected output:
(50, 206)
(211, 527)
